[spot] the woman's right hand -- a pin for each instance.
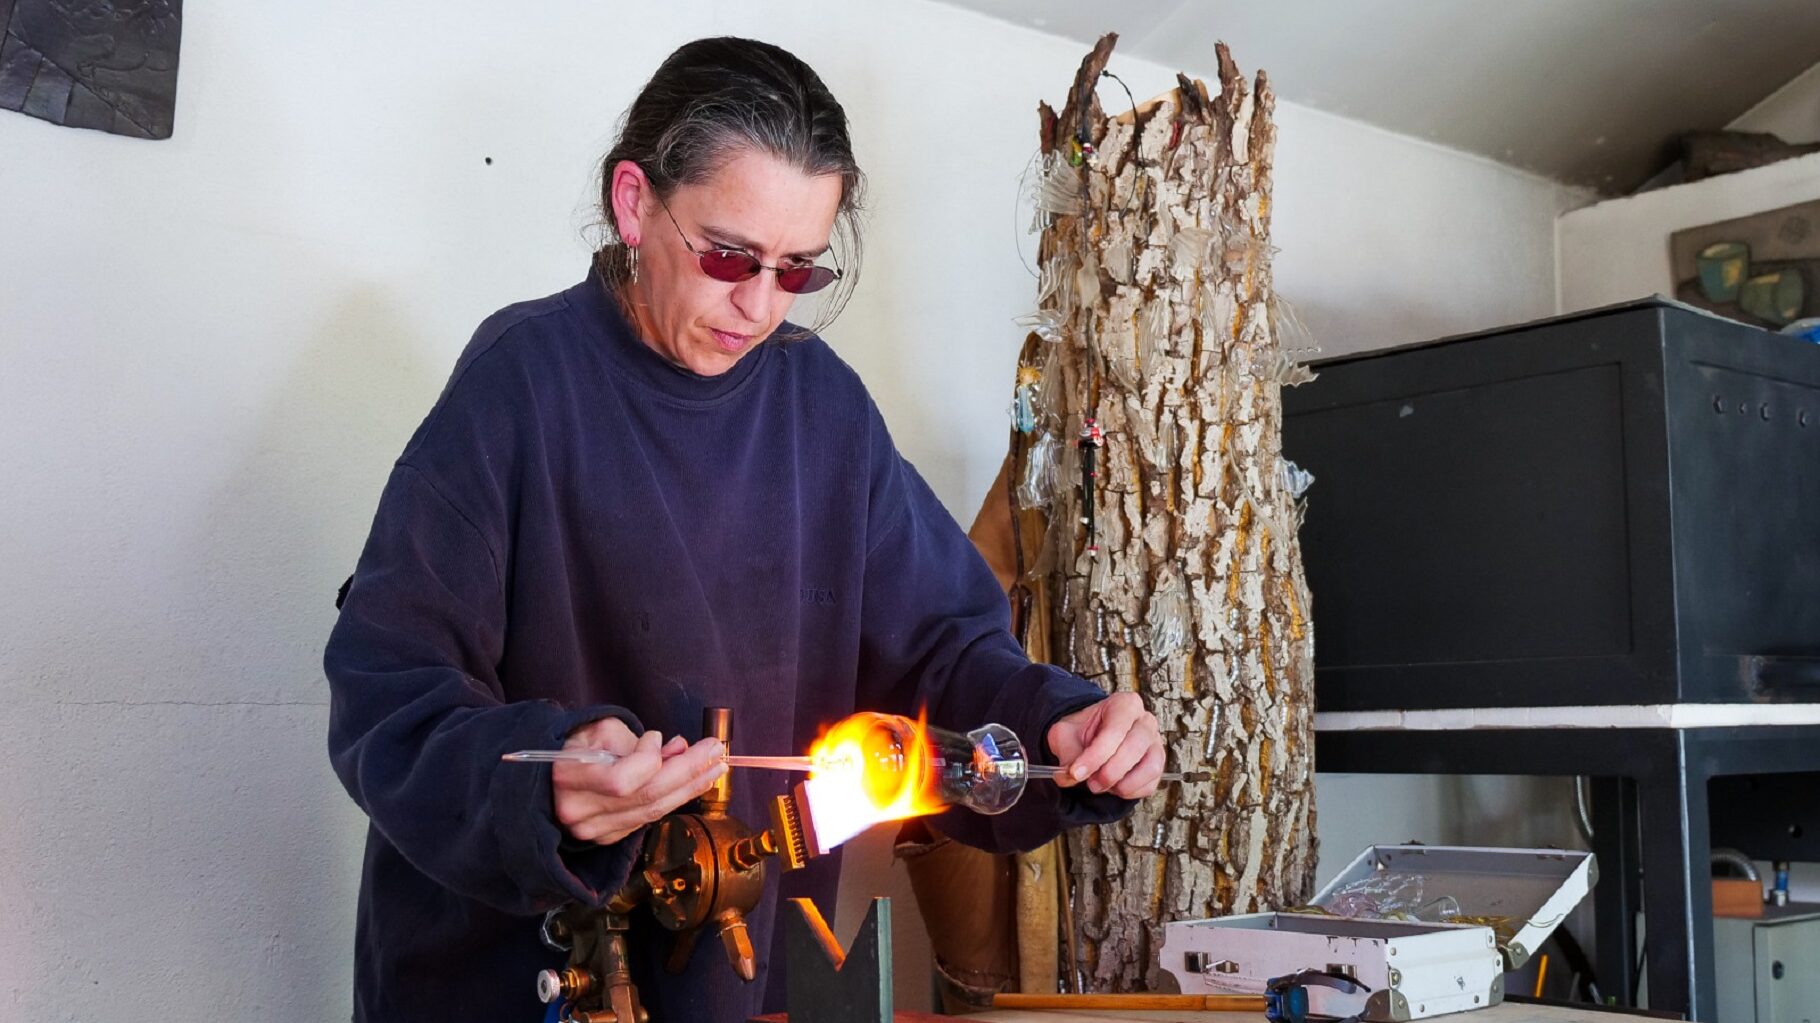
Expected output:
(604, 803)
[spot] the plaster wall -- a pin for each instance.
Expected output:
(1791, 113)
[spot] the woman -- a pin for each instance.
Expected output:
(642, 496)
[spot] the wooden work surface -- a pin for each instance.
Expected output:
(1506, 1013)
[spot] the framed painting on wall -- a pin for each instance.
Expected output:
(1763, 269)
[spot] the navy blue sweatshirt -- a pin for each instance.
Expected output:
(580, 529)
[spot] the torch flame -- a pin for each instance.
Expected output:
(869, 768)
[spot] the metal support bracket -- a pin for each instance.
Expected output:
(827, 985)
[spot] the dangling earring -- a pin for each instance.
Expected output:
(632, 264)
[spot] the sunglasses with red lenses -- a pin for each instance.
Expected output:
(733, 266)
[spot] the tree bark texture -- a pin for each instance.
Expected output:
(1157, 323)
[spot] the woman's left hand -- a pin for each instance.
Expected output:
(1113, 746)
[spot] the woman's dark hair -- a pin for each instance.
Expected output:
(715, 97)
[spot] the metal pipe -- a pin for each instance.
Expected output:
(1738, 860)
(1584, 816)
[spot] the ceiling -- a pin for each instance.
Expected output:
(1588, 92)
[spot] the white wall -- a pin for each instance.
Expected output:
(1792, 113)
(1617, 250)
(214, 346)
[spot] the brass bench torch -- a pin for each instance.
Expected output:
(700, 869)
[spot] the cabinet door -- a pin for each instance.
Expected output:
(1788, 971)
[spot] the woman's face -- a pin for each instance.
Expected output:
(756, 204)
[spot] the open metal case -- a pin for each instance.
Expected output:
(1505, 903)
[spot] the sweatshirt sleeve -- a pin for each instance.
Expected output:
(935, 635)
(418, 718)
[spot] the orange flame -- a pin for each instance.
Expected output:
(869, 768)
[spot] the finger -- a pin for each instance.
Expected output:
(636, 790)
(683, 778)
(577, 808)
(676, 745)
(630, 773)
(1136, 743)
(683, 771)
(584, 792)
(613, 736)
(621, 817)
(1132, 747)
(692, 788)
(1141, 782)
(1114, 721)
(609, 827)
(1064, 741)
(610, 734)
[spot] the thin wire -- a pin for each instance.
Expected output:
(1127, 88)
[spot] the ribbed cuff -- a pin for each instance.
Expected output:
(536, 849)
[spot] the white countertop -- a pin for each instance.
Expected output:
(1654, 715)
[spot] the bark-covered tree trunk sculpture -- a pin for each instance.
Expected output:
(1175, 570)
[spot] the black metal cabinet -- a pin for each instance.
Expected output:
(1615, 507)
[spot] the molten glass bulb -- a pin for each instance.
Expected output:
(885, 756)
(900, 763)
